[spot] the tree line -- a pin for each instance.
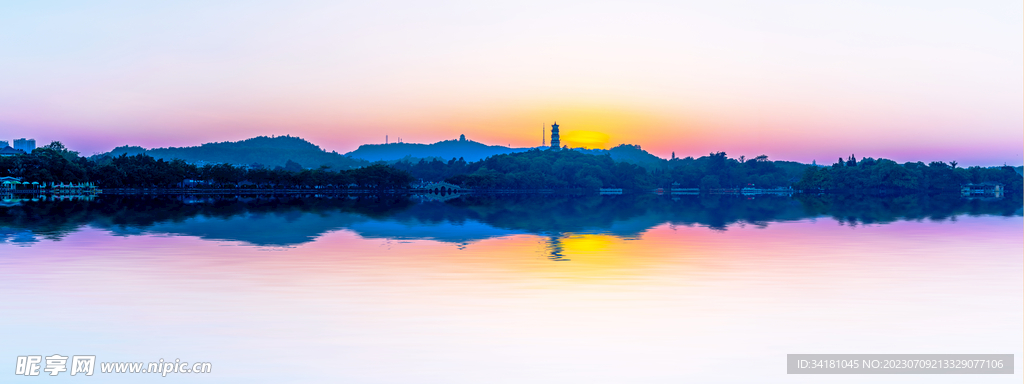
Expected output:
(534, 169)
(545, 169)
(869, 174)
(55, 163)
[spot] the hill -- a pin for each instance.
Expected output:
(628, 153)
(633, 154)
(448, 149)
(268, 151)
(475, 151)
(277, 151)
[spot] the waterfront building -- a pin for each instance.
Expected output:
(9, 184)
(985, 189)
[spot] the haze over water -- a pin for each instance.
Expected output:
(510, 290)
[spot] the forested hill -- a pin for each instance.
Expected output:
(533, 169)
(448, 149)
(633, 154)
(278, 151)
(268, 151)
(474, 151)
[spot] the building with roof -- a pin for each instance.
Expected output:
(8, 151)
(9, 184)
(985, 189)
(24, 144)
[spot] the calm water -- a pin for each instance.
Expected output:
(533, 289)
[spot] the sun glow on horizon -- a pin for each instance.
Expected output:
(586, 139)
(795, 81)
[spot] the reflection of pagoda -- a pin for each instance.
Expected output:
(555, 247)
(555, 143)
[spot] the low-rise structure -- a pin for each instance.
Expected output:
(985, 189)
(8, 151)
(9, 184)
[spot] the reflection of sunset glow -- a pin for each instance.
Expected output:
(588, 243)
(598, 255)
(502, 303)
(523, 256)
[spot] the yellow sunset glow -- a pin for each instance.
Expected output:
(586, 139)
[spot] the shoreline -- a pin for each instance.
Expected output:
(428, 192)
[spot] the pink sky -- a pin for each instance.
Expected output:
(794, 80)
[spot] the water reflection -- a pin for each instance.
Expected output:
(555, 247)
(652, 290)
(290, 221)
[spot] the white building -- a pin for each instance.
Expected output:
(24, 144)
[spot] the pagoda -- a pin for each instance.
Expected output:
(556, 144)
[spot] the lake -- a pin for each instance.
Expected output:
(508, 289)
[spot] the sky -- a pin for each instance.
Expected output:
(794, 80)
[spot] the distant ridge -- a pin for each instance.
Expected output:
(474, 151)
(268, 151)
(448, 149)
(277, 151)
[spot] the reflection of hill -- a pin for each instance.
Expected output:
(259, 229)
(290, 221)
(868, 210)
